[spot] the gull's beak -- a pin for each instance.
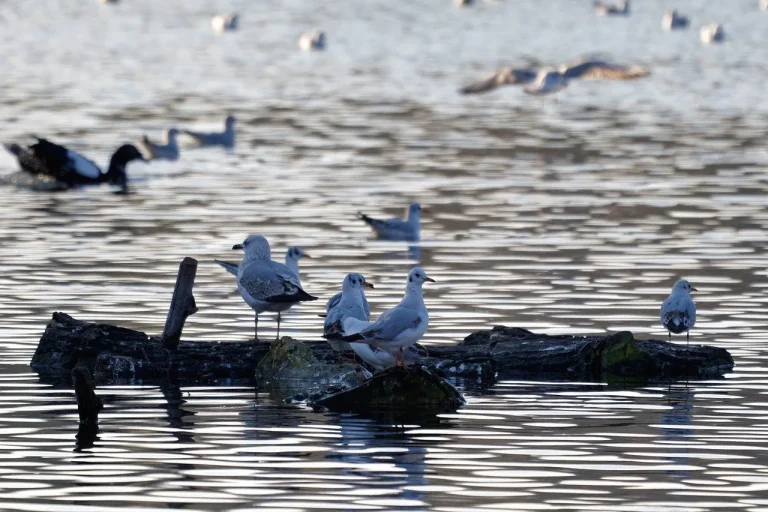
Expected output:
(693, 289)
(237, 247)
(368, 285)
(430, 279)
(307, 256)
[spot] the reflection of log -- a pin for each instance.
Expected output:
(182, 304)
(115, 353)
(88, 404)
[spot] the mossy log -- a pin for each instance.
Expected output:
(116, 354)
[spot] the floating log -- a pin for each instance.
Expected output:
(116, 354)
(396, 391)
(182, 304)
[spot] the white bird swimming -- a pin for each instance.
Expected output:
(621, 8)
(163, 151)
(397, 229)
(548, 81)
(221, 23)
(712, 33)
(351, 304)
(292, 257)
(266, 285)
(225, 138)
(402, 326)
(312, 41)
(672, 20)
(678, 311)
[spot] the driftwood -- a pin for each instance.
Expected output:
(182, 304)
(116, 354)
(88, 404)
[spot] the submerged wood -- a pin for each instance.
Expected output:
(117, 354)
(88, 404)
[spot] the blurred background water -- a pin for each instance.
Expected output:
(567, 216)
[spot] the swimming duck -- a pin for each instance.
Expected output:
(70, 168)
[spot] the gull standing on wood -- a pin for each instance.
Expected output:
(167, 151)
(224, 23)
(350, 304)
(621, 8)
(397, 229)
(312, 41)
(402, 326)
(292, 257)
(266, 285)
(69, 167)
(712, 33)
(678, 311)
(500, 78)
(225, 138)
(548, 81)
(672, 20)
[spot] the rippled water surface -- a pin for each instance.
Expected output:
(567, 216)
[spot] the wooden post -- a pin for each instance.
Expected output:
(88, 404)
(182, 304)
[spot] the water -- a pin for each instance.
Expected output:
(573, 216)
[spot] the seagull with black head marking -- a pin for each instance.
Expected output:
(266, 285)
(351, 303)
(678, 311)
(397, 229)
(402, 326)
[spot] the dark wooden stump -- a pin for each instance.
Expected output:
(182, 304)
(88, 404)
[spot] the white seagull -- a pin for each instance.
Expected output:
(292, 257)
(266, 285)
(402, 326)
(672, 20)
(225, 138)
(548, 81)
(161, 151)
(621, 8)
(712, 33)
(678, 311)
(397, 229)
(351, 304)
(224, 23)
(312, 41)
(763, 5)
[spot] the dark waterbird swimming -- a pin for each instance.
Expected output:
(69, 168)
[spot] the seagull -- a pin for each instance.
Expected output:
(672, 20)
(621, 8)
(292, 257)
(464, 3)
(155, 151)
(402, 326)
(70, 168)
(375, 357)
(678, 311)
(266, 285)
(225, 138)
(312, 41)
(500, 78)
(224, 23)
(350, 304)
(712, 33)
(397, 229)
(548, 81)
(599, 70)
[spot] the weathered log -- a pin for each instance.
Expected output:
(398, 391)
(182, 304)
(88, 404)
(113, 353)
